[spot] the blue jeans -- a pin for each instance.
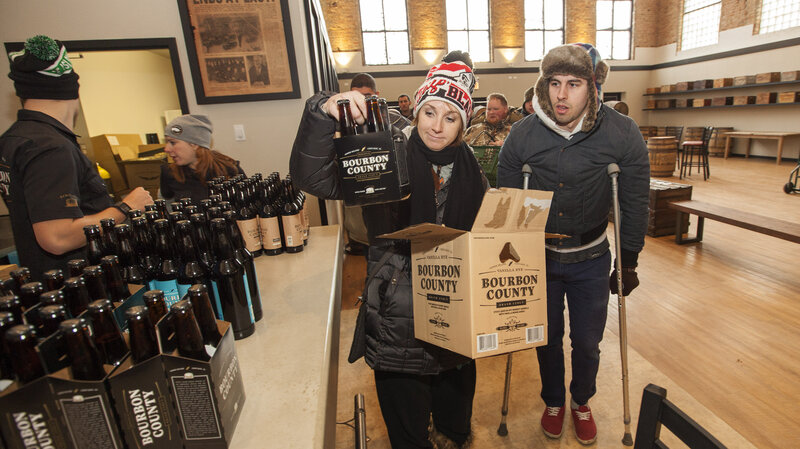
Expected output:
(585, 285)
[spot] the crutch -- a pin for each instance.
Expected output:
(627, 440)
(503, 430)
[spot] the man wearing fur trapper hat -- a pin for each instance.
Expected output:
(569, 141)
(51, 188)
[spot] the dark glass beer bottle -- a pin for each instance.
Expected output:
(202, 241)
(244, 257)
(6, 322)
(93, 274)
(107, 335)
(347, 126)
(299, 202)
(21, 343)
(384, 107)
(144, 343)
(148, 258)
(52, 297)
(161, 208)
(29, 294)
(133, 213)
(86, 359)
(151, 216)
(22, 276)
(229, 285)
(132, 272)
(292, 228)
(187, 332)
(149, 207)
(53, 279)
(11, 304)
(156, 307)
(76, 267)
(50, 316)
(214, 212)
(76, 295)
(115, 283)
(191, 271)
(189, 210)
(109, 237)
(374, 117)
(271, 239)
(167, 276)
(94, 244)
(8, 286)
(247, 221)
(201, 304)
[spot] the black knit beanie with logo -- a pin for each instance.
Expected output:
(42, 70)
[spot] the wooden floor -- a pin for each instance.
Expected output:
(719, 321)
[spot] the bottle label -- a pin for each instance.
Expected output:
(216, 300)
(170, 289)
(292, 230)
(183, 289)
(270, 233)
(250, 234)
(195, 400)
(249, 302)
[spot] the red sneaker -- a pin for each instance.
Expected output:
(585, 428)
(553, 421)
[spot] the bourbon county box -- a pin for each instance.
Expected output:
(483, 293)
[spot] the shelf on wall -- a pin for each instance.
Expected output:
(714, 89)
(718, 107)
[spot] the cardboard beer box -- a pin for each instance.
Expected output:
(207, 397)
(744, 80)
(483, 292)
(29, 417)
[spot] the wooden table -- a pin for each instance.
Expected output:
(749, 135)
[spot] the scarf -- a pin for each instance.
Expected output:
(466, 183)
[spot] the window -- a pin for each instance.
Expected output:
(544, 27)
(384, 32)
(468, 28)
(779, 15)
(614, 28)
(700, 23)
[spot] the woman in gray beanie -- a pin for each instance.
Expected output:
(194, 163)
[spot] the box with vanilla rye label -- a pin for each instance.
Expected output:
(483, 292)
(372, 163)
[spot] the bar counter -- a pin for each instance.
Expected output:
(290, 364)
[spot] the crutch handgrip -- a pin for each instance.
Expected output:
(526, 176)
(613, 169)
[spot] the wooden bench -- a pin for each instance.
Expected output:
(747, 220)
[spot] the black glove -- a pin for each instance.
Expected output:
(630, 280)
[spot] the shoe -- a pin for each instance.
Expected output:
(553, 421)
(585, 428)
(355, 248)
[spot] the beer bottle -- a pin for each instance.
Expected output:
(133, 213)
(203, 243)
(299, 202)
(188, 210)
(214, 212)
(149, 207)
(167, 276)
(292, 228)
(374, 117)
(115, 283)
(109, 237)
(6, 322)
(201, 304)
(205, 204)
(225, 205)
(11, 304)
(156, 307)
(151, 216)
(53, 279)
(8, 286)
(21, 346)
(50, 316)
(93, 274)
(29, 294)
(86, 359)
(161, 207)
(185, 202)
(76, 295)
(76, 267)
(271, 238)
(211, 187)
(148, 258)
(229, 285)
(132, 272)
(144, 343)
(247, 221)
(346, 123)
(22, 275)
(244, 257)
(94, 244)
(384, 107)
(107, 335)
(187, 332)
(52, 297)
(192, 271)
(174, 218)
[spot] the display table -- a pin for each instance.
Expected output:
(750, 135)
(290, 364)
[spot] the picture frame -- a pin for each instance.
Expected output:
(240, 51)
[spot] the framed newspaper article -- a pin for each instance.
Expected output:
(240, 50)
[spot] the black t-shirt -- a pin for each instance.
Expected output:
(192, 186)
(45, 176)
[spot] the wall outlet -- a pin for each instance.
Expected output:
(238, 133)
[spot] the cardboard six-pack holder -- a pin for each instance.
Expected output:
(483, 292)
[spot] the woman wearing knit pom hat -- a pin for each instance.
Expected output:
(569, 142)
(425, 392)
(51, 188)
(193, 164)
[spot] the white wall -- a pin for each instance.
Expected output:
(269, 125)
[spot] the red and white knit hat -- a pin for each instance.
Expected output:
(449, 81)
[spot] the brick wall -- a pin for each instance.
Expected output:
(580, 21)
(428, 24)
(736, 13)
(344, 27)
(507, 23)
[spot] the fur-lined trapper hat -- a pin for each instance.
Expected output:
(581, 60)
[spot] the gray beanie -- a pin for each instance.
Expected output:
(191, 128)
